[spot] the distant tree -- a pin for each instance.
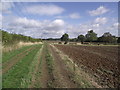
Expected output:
(9, 39)
(107, 38)
(107, 34)
(118, 40)
(81, 38)
(6, 37)
(73, 39)
(91, 36)
(100, 39)
(65, 37)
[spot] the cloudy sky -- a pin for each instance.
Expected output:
(52, 20)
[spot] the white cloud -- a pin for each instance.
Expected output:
(1, 17)
(74, 16)
(96, 25)
(54, 28)
(27, 23)
(74, 31)
(116, 24)
(113, 29)
(101, 20)
(99, 11)
(44, 9)
(35, 28)
(57, 27)
(31, 23)
(58, 22)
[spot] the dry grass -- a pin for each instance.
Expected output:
(16, 46)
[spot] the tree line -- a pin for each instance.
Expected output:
(9, 38)
(91, 36)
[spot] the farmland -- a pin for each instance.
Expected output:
(16, 70)
(59, 45)
(100, 61)
(51, 65)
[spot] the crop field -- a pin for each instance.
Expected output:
(51, 65)
(100, 61)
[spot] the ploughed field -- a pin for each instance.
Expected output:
(101, 62)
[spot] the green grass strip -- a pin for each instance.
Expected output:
(8, 55)
(26, 81)
(49, 60)
(15, 76)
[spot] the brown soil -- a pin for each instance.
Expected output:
(102, 62)
(43, 76)
(77, 72)
(61, 74)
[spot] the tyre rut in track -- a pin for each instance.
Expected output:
(45, 74)
(9, 64)
(43, 77)
(61, 74)
(36, 69)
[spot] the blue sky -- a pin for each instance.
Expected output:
(51, 20)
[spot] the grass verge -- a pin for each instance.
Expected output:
(27, 81)
(14, 78)
(8, 55)
(77, 75)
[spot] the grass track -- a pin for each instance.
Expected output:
(15, 76)
(34, 69)
(49, 62)
(8, 55)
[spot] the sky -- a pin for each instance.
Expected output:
(53, 19)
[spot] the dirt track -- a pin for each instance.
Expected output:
(45, 77)
(61, 74)
(42, 78)
(60, 77)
